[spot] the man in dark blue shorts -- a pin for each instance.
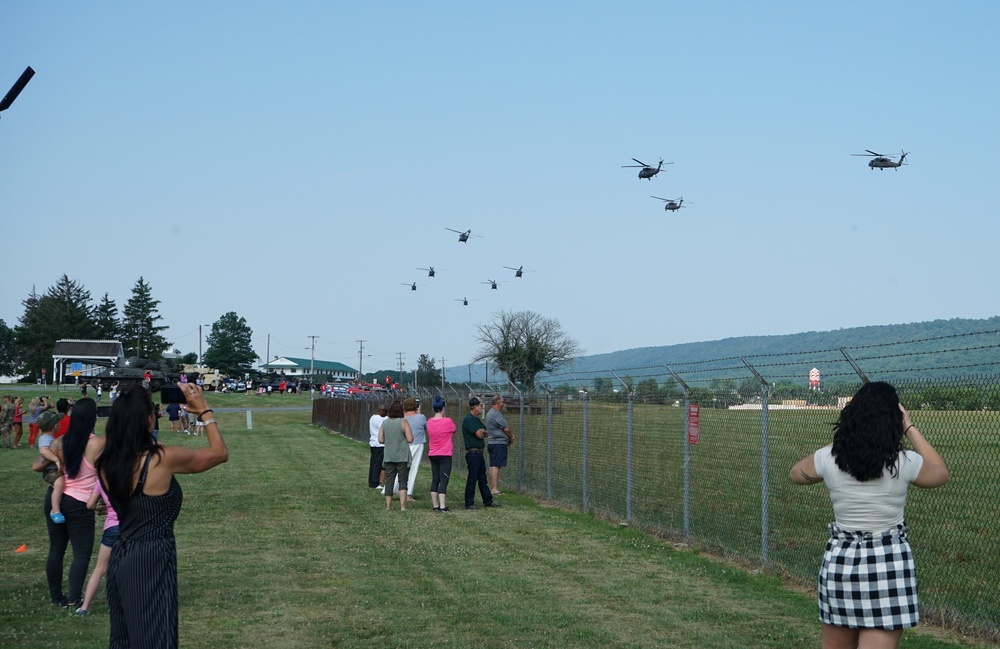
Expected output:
(498, 439)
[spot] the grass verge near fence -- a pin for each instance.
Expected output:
(285, 546)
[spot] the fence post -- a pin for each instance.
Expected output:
(764, 453)
(687, 452)
(548, 446)
(628, 463)
(520, 446)
(586, 435)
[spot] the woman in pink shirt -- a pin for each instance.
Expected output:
(440, 430)
(77, 450)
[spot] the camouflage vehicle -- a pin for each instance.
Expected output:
(133, 370)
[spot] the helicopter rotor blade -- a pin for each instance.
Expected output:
(661, 199)
(16, 89)
(641, 162)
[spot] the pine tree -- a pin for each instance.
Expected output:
(106, 317)
(140, 333)
(8, 363)
(229, 345)
(64, 312)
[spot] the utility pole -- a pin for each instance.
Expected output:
(199, 342)
(312, 357)
(442, 372)
(361, 352)
(400, 355)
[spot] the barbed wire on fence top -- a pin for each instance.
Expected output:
(707, 370)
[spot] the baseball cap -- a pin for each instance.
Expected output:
(474, 401)
(48, 420)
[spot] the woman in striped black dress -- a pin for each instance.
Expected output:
(868, 581)
(137, 473)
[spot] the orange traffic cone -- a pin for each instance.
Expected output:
(23, 548)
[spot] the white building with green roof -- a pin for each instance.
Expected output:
(298, 367)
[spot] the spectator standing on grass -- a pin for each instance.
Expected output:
(37, 406)
(6, 421)
(499, 439)
(114, 392)
(418, 426)
(138, 477)
(18, 420)
(473, 434)
(440, 447)
(174, 417)
(104, 551)
(867, 580)
(78, 451)
(376, 474)
(63, 408)
(395, 433)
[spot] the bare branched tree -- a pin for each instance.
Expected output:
(524, 343)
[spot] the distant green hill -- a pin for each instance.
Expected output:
(938, 349)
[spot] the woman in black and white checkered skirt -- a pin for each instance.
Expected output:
(868, 581)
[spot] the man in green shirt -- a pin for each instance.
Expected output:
(473, 434)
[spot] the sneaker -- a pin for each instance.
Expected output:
(493, 504)
(437, 509)
(470, 507)
(57, 517)
(82, 611)
(444, 510)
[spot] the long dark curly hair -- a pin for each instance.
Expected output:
(74, 442)
(127, 437)
(868, 436)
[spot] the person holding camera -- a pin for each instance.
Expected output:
(867, 581)
(137, 474)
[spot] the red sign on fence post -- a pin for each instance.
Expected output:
(694, 411)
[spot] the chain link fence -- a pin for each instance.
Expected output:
(701, 453)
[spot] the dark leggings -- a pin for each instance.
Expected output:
(440, 472)
(78, 530)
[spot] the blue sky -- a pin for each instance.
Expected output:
(297, 162)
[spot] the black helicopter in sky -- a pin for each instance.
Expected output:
(647, 171)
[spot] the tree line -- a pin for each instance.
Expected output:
(67, 311)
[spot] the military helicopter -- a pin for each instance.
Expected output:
(882, 161)
(430, 271)
(518, 271)
(672, 204)
(464, 301)
(16, 89)
(493, 283)
(463, 237)
(647, 171)
(412, 286)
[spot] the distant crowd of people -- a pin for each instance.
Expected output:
(399, 433)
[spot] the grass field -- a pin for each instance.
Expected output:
(285, 546)
(953, 529)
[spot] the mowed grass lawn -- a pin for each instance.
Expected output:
(285, 546)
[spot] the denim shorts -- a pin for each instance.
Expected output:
(109, 536)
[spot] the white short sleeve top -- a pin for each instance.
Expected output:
(870, 506)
